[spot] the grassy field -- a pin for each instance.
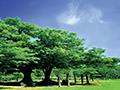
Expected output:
(103, 85)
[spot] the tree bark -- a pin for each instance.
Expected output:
(67, 79)
(75, 78)
(47, 71)
(87, 79)
(82, 78)
(58, 79)
(27, 80)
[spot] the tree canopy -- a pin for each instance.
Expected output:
(56, 49)
(24, 47)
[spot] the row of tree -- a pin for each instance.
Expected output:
(25, 47)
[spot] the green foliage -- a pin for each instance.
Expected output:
(11, 77)
(93, 57)
(57, 48)
(109, 73)
(29, 46)
(15, 42)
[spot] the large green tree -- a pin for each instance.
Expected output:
(57, 49)
(94, 58)
(15, 47)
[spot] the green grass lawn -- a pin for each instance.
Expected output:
(103, 85)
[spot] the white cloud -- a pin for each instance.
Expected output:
(94, 15)
(74, 15)
(69, 16)
(70, 20)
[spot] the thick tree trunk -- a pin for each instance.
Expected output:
(87, 79)
(58, 79)
(82, 78)
(47, 80)
(47, 75)
(75, 78)
(27, 80)
(67, 79)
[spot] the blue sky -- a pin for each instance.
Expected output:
(97, 21)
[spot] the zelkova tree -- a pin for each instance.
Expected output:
(93, 57)
(57, 49)
(13, 58)
(15, 47)
(109, 70)
(92, 60)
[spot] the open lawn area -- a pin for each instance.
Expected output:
(102, 85)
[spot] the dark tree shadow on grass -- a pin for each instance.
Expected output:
(43, 83)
